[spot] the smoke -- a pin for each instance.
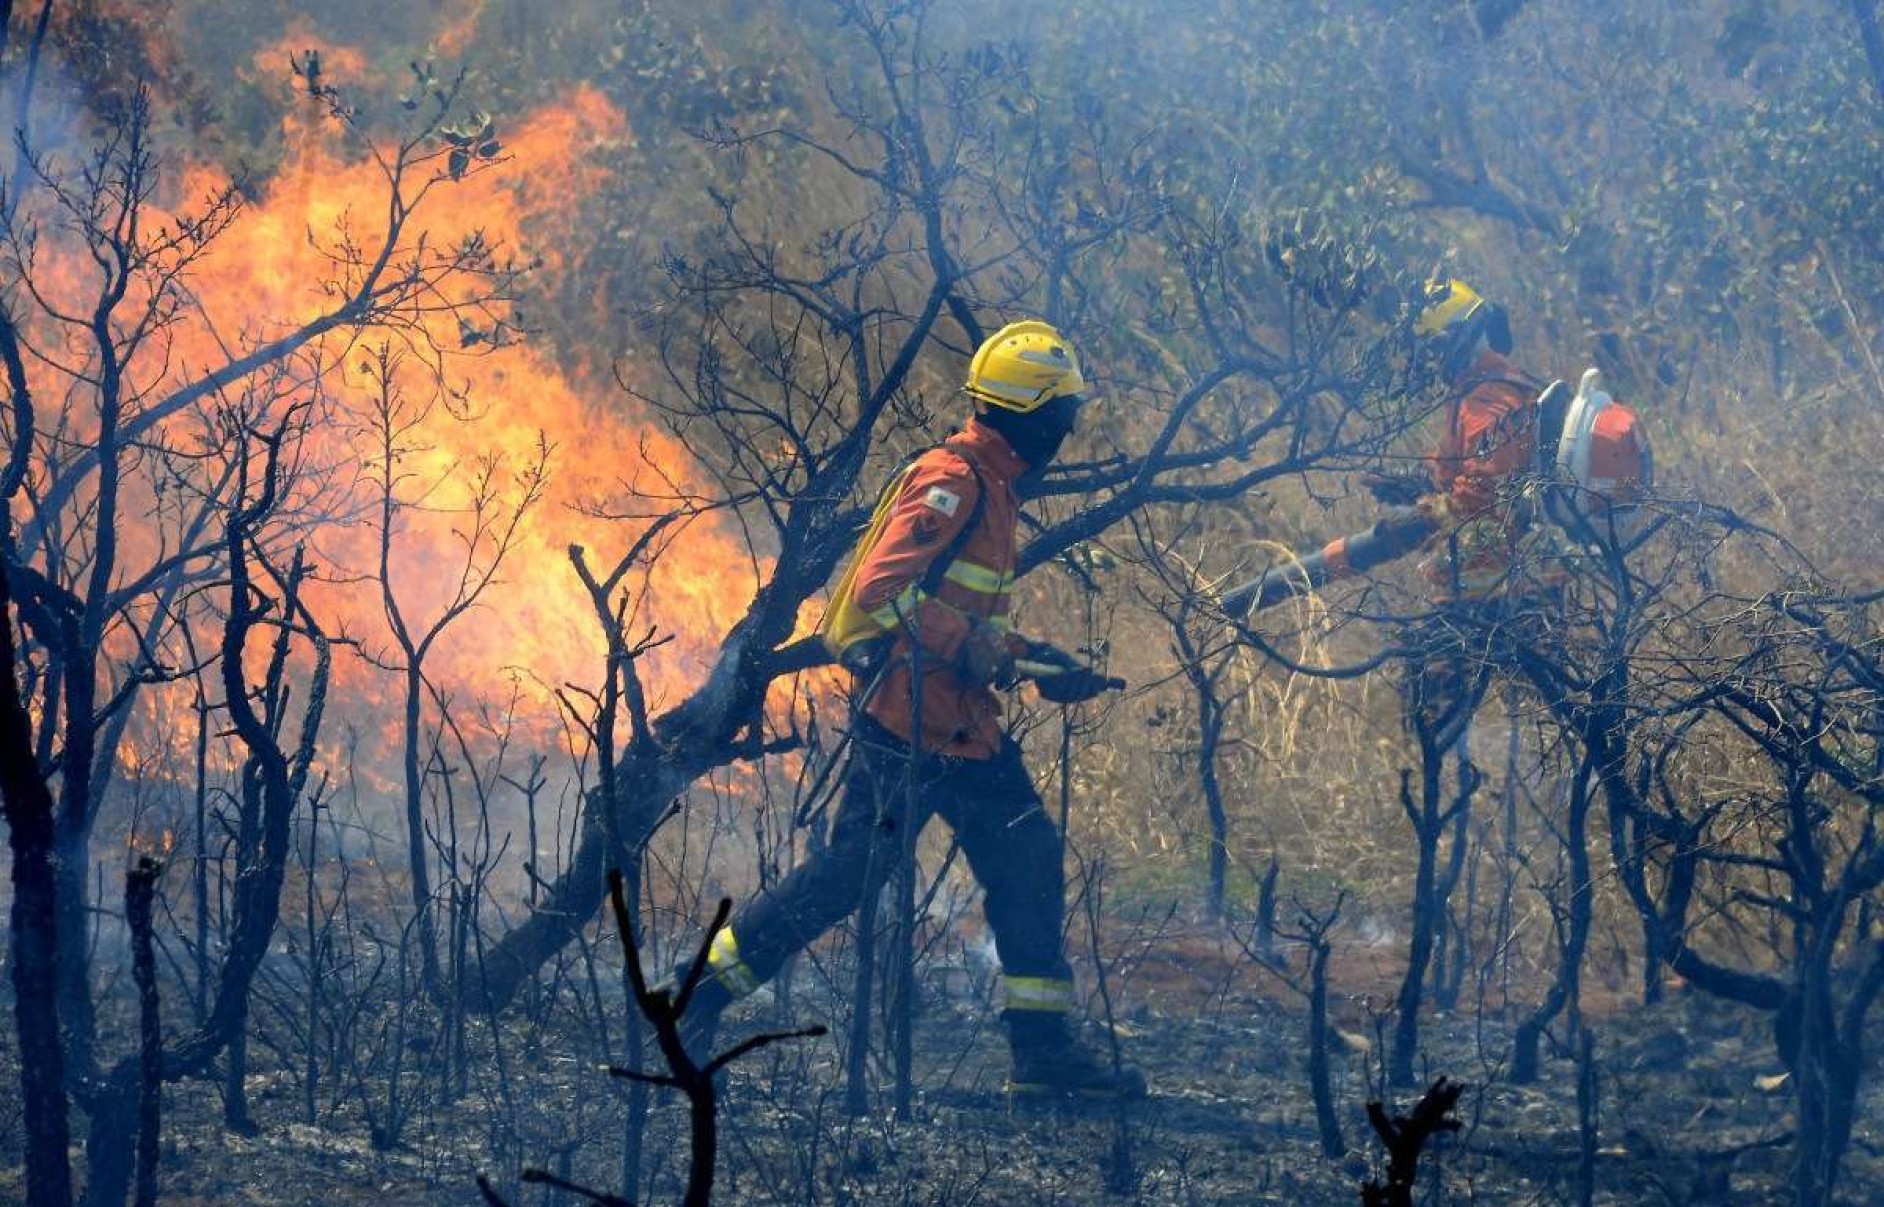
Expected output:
(315, 190)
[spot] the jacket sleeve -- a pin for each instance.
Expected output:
(1493, 443)
(936, 499)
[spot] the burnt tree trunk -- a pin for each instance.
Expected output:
(140, 894)
(1320, 1085)
(1211, 718)
(418, 861)
(34, 922)
(1430, 818)
(1211, 715)
(1589, 1130)
(1829, 1068)
(1449, 974)
(1406, 1030)
(71, 867)
(35, 936)
(1821, 1039)
(1266, 911)
(281, 777)
(1566, 989)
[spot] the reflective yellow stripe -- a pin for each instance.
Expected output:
(891, 615)
(723, 959)
(999, 624)
(979, 578)
(1016, 391)
(1039, 993)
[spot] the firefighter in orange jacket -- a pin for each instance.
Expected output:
(1488, 447)
(950, 647)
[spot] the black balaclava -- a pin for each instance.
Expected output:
(1035, 437)
(1488, 327)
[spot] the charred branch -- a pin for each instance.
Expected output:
(1405, 1138)
(140, 892)
(693, 1075)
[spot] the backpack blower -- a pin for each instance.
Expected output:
(1592, 455)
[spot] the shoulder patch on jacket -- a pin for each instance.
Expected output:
(943, 500)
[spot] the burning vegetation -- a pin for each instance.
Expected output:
(441, 440)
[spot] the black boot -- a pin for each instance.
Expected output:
(1049, 1061)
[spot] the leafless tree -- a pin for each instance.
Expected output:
(664, 1008)
(1803, 691)
(1313, 929)
(787, 369)
(1735, 741)
(1431, 814)
(31, 816)
(274, 779)
(106, 426)
(494, 504)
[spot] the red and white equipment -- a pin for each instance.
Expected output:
(1605, 467)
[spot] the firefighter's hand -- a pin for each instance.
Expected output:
(1073, 686)
(1397, 490)
(985, 658)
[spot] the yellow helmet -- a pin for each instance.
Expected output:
(1024, 366)
(1448, 304)
(1456, 323)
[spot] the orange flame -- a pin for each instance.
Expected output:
(265, 275)
(540, 620)
(157, 846)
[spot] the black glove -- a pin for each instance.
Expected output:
(984, 658)
(1074, 686)
(1397, 489)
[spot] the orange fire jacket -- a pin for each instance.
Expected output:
(1490, 439)
(936, 499)
(1491, 434)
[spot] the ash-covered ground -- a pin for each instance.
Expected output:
(1688, 1109)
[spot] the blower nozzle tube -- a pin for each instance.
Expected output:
(1387, 540)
